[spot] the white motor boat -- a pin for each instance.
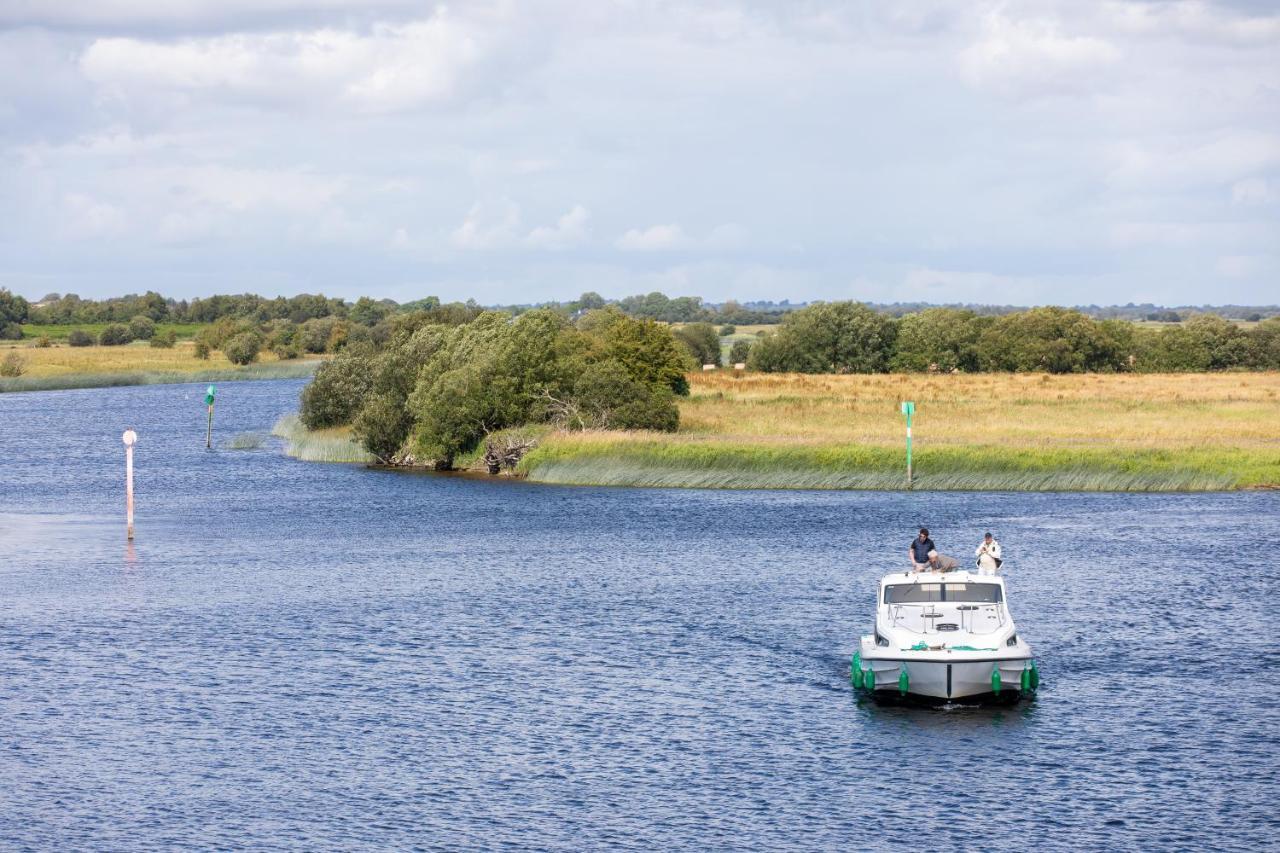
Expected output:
(943, 636)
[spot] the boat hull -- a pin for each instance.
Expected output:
(946, 680)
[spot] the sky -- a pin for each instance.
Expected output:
(1040, 152)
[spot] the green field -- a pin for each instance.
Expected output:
(59, 332)
(60, 366)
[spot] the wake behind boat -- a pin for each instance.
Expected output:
(944, 636)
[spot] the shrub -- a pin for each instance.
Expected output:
(114, 335)
(44, 342)
(13, 364)
(1054, 340)
(646, 348)
(80, 338)
(10, 332)
(739, 352)
(607, 397)
(702, 342)
(202, 348)
(942, 339)
(243, 348)
(142, 328)
(383, 425)
(337, 392)
(835, 337)
(164, 340)
(728, 329)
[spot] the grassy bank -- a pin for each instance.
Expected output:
(61, 367)
(60, 331)
(327, 445)
(1127, 433)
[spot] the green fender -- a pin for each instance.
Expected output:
(995, 680)
(855, 670)
(903, 681)
(1026, 679)
(1035, 676)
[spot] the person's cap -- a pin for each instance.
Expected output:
(988, 536)
(924, 530)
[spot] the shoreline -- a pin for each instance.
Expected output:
(116, 379)
(631, 460)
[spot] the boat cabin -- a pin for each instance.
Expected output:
(953, 603)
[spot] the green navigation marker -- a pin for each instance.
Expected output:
(208, 433)
(909, 409)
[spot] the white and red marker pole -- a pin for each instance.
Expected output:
(130, 438)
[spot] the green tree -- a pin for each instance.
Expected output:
(337, 392)
(647, 349)
(14, 310)
(367, 312)
(739, 352)
(382, 425)
(702, 342)
(243, 348)
(141, 327)
(941, 339)
(1053, 340)
(114, 335)
(80, 338)
(1264, 345)
(164, 340)
(834, 337)
(606, 397)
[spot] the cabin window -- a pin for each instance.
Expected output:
(925, 593)
(913, 593)
(979, 593)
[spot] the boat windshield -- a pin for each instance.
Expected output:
(924, 593)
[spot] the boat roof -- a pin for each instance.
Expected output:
(955, 576)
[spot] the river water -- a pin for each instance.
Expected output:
(297, 655)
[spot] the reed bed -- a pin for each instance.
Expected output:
(328, 445)
(1002, 432)
(137, 357)
(226, 373)
(246, 441)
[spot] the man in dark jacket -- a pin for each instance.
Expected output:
(918, 552)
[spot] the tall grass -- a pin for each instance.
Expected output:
(638, 460)
(64, 381)
(1003, 432)
(245, 441)
(330, 445)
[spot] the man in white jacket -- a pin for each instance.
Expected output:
(988, 555)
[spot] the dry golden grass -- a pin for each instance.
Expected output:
(63, 360)
(1029, 410)
(1027, 432)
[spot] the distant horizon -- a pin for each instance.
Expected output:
(753, 304)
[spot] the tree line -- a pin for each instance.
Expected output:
(850, 337)
(70, 309)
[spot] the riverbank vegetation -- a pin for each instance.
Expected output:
(438, 388)
(61, 367)
(1017, 432)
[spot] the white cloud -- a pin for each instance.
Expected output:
(91, 217)
(389, 68)
(1032, 57)
(569, 230)
(488, 226)
(1251, 191)
(652, 239)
